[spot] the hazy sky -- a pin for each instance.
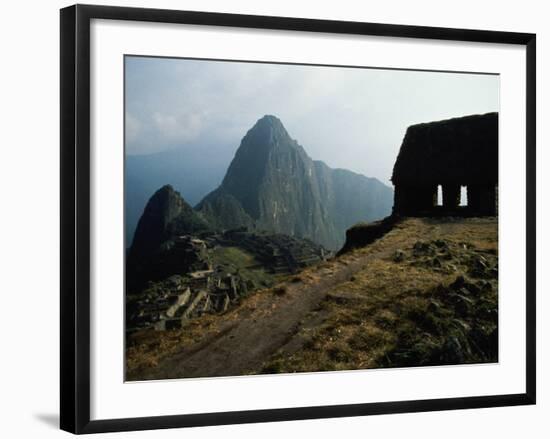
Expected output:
(353, 118)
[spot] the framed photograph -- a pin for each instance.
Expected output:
(268, 218)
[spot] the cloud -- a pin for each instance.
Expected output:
(132, 128)
(181, 128)
(353, 118)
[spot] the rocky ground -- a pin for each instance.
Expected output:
(424, 294)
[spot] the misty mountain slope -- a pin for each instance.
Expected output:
(193, 172)
(351, 198)
(152, 255)
(234, 215)
(281, 189)
(165, 215)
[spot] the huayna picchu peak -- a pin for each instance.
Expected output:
(274, 185)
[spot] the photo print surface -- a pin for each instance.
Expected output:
(284, 218)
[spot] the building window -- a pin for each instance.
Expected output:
(463, 196)
(439, 195)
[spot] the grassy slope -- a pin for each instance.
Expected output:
(431, 303)
(424, 294)
(235, 260)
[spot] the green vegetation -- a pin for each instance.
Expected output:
(234, 260)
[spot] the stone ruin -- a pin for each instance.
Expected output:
(179, 299)
(277, 252)
(197, 286)
(450, 153)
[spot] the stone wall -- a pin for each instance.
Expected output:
(451, 153)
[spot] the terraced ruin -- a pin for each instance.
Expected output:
(212, 273)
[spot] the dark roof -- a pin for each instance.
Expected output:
(461, 150)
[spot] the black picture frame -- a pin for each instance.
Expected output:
(75, 217)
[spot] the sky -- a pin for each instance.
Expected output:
(351, 118)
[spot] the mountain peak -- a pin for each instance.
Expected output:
(166, 213)
(167, 189)
(161, 196)
(269, 119)
(267, 131)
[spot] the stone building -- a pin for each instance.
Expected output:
(446, 156)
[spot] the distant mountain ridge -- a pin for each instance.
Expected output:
(274, 185)
(193, 171)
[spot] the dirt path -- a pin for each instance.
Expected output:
(244, 345)
(245, 338)
(241, 344)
